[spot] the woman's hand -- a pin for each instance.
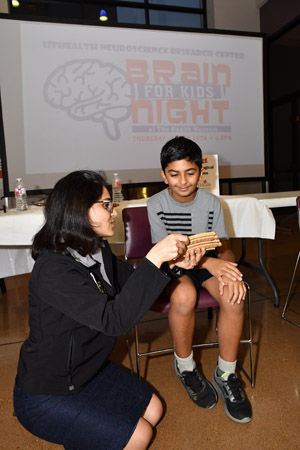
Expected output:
(171, 248)
(190, 260)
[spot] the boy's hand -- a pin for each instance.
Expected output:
(191, 259)
(235, 290)
(170, 248)
(221, 268)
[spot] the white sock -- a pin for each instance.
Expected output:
(227, 367)
(186, 364)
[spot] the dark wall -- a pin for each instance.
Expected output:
(275, 14)
(280, 21)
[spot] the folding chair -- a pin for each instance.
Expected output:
(294, 273)
(137, 244)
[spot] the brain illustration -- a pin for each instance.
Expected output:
(91, 90)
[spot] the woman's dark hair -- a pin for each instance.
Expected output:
(180, 148)
(66, 215)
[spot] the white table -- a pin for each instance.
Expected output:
(271, 200)
(16, 232)
(245, 217)
(279, 200)
(276, 199)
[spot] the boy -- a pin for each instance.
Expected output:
(183, 208)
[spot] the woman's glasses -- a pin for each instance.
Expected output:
(108, 204)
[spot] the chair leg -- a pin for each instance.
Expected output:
(249, 341)
(288, 295)
(2, 285)
(137, 355)
(129, 353)
(250, 337)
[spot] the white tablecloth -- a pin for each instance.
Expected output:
(19, 227)
(277, 199)
(14, 261)
(16, 232)
(245, 217)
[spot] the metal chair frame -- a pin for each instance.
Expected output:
(287, 301)
(136, 226)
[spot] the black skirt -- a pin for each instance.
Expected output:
(103, 416)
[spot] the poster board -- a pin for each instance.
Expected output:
(210, 177)
(77, 96)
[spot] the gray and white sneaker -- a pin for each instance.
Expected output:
(236, 404)
(199, 389)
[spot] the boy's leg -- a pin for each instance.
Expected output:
(228, 386)
(183, 297)
(230, 322)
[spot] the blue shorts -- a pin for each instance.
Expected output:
(103, 415)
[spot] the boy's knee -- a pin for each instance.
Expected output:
(235, 309)
(184, 299)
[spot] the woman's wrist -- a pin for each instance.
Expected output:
(154, 259)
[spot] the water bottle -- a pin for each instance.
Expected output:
(20, 195)
(117, 195)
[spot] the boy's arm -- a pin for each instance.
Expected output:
(225, 270)
(224, 265)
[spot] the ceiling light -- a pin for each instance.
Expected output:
(103, 16)
(15, 3)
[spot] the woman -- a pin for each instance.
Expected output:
(81, 297)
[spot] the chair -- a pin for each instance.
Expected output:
(294, 273)
(137, 244)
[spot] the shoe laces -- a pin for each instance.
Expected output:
(193, 380)
(234, 388)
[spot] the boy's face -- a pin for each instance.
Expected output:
(182, 176)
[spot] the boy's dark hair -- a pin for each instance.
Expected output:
(180, 148)
(66, 215)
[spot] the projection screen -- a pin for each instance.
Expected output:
(81, 96)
